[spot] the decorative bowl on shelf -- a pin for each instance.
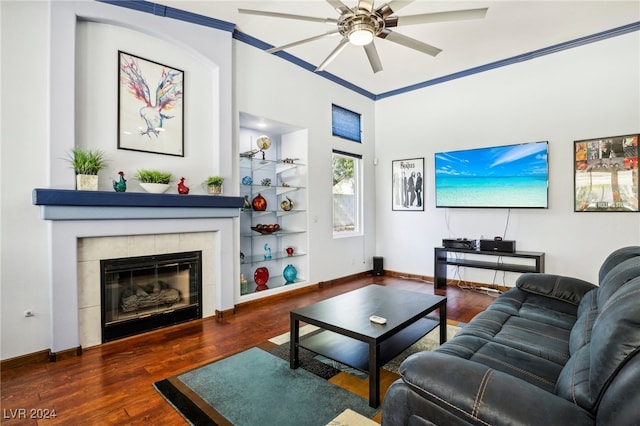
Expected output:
(266, 229)
(154, 188)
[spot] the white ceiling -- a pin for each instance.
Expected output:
(510, 28)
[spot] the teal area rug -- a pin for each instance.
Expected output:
(255, 387)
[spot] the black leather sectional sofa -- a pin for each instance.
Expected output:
(553, 350)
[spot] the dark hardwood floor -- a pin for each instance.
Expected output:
(112, 383)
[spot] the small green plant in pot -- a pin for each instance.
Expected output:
(214, 184)
(154, 181)
(87, 163)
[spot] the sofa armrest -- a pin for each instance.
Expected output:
(559, 287)
(444, 389)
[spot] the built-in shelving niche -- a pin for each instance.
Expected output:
(284, 164)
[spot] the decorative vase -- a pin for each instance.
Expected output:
(287, 204)
(214, 189)
(261, 276)
(87, 182)
(247, 204)
(259, 203)
(289, 251)
(290, 273)
(182, 188)
(243, 284)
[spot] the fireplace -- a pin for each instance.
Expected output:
(89, 226)
(143, 293)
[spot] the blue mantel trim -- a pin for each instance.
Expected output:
(69, 197)
(65, 204)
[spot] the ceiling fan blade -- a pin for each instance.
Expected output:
(365, 5)
(339, 6)
(306, 40)
(343, 43)
(409, 42)
(394, 6)
(453, 15)
(288, 16)
(374, 59)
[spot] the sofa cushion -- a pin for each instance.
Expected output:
(536, 307)
(537, 338)
(567, 289)
(617, 277)
(615, 258)
(615, 338)
(587, 314)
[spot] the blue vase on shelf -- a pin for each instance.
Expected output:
(290, 273)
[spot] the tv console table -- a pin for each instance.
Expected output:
(442, 260)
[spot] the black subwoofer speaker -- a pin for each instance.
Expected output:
(378, 268)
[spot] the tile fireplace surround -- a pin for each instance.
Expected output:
(130, 224)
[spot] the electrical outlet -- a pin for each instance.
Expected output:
(29, 313)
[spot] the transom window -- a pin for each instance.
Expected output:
(345, 123)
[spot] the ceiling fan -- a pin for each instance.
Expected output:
(360, 24)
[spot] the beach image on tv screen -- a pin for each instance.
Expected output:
(503, 176)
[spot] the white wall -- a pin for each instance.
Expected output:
(587, 92)
(24, 155)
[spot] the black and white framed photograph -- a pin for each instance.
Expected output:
(150, 109)
(407, 184)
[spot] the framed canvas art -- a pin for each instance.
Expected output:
(407, 184)
(606, 174)
(150, 106)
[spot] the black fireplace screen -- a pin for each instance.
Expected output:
(144, 293)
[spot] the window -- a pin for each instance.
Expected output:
(346, 194)
(345, 123)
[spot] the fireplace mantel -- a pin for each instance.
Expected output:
(66, 204)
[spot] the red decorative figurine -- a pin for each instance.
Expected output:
(182, 188)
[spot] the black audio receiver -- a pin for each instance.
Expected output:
(461, 243)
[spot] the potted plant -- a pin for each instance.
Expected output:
(87, 163)
(214, 184)
(154, 181)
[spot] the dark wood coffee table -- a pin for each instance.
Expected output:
(350, 338)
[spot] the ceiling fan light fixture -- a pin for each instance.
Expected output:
(360, 35)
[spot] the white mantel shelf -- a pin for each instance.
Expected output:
(66, 204)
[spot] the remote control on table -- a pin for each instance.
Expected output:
(377, 319)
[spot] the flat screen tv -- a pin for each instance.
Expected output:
(510, 176)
